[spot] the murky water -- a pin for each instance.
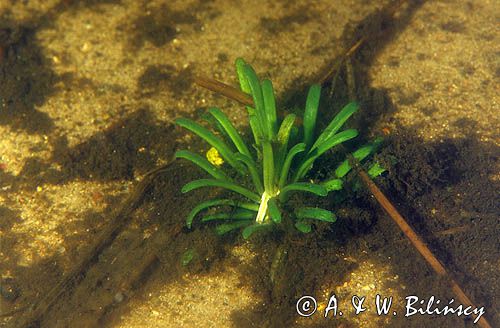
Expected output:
(89, 91)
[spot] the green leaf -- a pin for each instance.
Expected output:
(303, 227)
(227, 227)
(310, 113)
(282, 139)
(209, 137)
(256, 130)
(360, 155)
(253, 171)
(375, 170)
(248, 231)
(202, 163)
(270, 106)
(258, 100)
(254, 120)
(274, 211)
(288, 161)
(268, 167)
(335, 140)
(218, 202)
(240, 65)
(333, 184)
(303, 186)
(230, 130)
(336, 123)
(321, 149)
(239, 214)
(188, 256)
(212, 121)
(294, 134)
(315, 213)
(221, 184)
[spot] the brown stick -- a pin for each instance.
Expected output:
(418, 243)
(224, 89)
(452, 231)
(105, 238)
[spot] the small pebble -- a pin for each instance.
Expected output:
(119, 297)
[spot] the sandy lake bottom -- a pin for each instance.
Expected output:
(89, 91)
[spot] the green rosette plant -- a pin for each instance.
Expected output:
(277, 165)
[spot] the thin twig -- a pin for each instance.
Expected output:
(418, 243)
(340, 61)
(224, 89)
(334, 70)
(454, 230)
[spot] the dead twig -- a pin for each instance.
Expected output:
(335, 69)
(454, 230)
(224, 89)
(418, 243)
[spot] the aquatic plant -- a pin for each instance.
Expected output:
(277, 165)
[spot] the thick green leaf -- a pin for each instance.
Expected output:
(310, 113)
(321, 149)
(218, 202)
(333, 184)
(335, 140)
(360, 155)
(202, 163)
(240, 65)
(303, 226)
(375, 170)
(270, 106)
(209, 137)
(230, 130)
(212, 121)
(248, 231)
(188, 256)
(282, 139)
(288, 161)
(221, 184)
(258, 100)
(253, 171)
(254, 117)
(294, 135)
(315, 213)
(268, 167)
(255, 126)
(227, 227)
(274, 211)
(303, 186)
(235, 215)
(336, 123)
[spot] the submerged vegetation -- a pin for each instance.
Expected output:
(277, 164)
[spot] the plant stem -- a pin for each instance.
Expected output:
(261, 214)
